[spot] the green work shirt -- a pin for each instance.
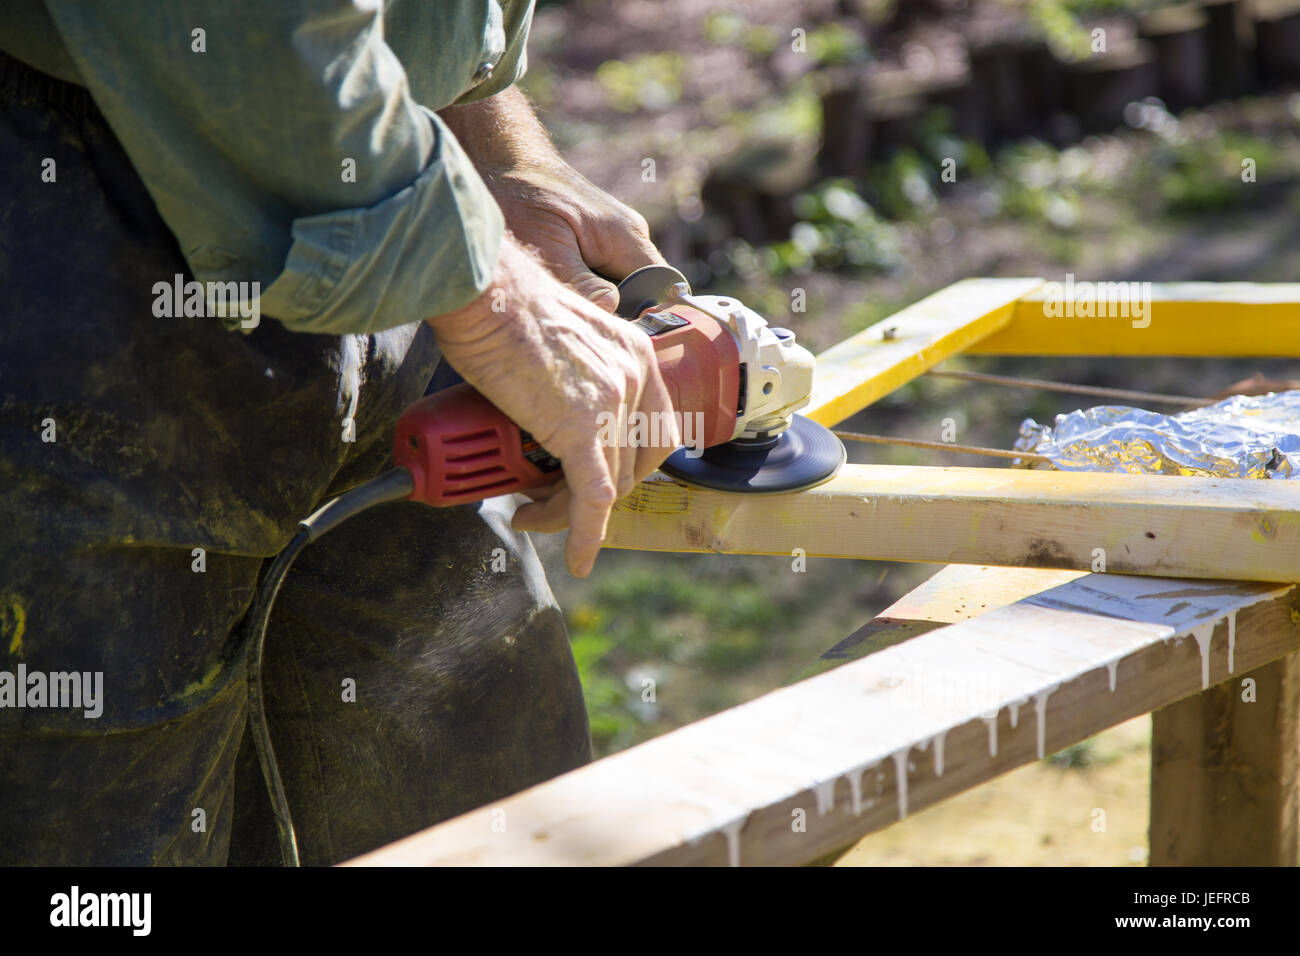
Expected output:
(293, 142)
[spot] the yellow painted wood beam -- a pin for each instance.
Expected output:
(1169, 526)
(863, 368)
(1214, 319)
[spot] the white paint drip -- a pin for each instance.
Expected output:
(993, 733)
(900, 776)
(825, 796)
(732, 832)
(1204, 635)
(825, 791)
(855, 791)
(854, 777)
(1040, 705)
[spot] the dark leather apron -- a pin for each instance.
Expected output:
(172, 435)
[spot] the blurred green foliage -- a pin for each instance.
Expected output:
(645, 620)
(837, 228)
(1203, 175)
(730, 28)
(1060, 22)
(846, 225)
(795, 116)
(1037, 183)
(834, 44)
(1173, 169)
(650, 82)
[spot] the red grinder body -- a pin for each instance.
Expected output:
(460, 448)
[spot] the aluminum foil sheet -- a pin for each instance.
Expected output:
(1256, 436)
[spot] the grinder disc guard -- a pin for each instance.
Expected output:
(803, 456)
(644, 287)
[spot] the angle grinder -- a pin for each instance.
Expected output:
(725, 368)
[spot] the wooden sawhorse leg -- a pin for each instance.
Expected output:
(1225, 773)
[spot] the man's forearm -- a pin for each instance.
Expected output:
(502, 132)
(580, 232)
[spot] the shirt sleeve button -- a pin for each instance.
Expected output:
(484, 72)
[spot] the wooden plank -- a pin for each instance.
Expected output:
(1215, 319)
(954, 593)
(1236, 529)
(1225, 773)
(861, 369)
(806, 769)
(960, 592)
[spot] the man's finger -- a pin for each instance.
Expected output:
(570, 269)
(619, 249)
(545, 517)
(625, 475)
(593, 494)
(583, 506)
(626, 479)
(597, 290)
(655, 397)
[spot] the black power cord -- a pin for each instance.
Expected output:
(390, 486)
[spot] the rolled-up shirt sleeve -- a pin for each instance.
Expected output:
(282, 145)
(484, 43)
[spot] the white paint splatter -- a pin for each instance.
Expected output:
(1112, 671)
(1232, 641)
(1013, 709)
(825, 796)
(732, 832)
(993, 732)
(938, 753)
(1204, 634)
(1040, 705)
(854, 777)
(900, 777)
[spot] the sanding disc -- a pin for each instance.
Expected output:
(803, 456)
(645, 287)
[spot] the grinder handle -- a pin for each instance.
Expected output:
(460, 448)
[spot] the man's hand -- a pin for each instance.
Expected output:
(580, 231)
(554, 362)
